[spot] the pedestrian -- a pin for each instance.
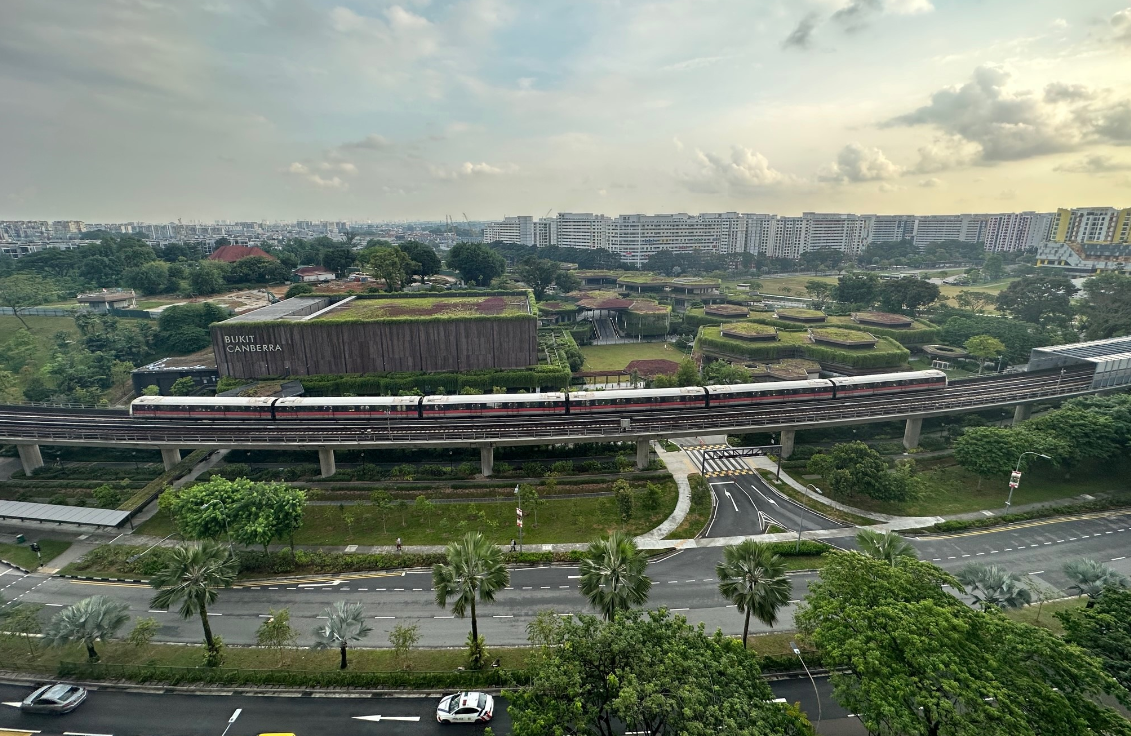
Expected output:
(398, 544)
(512, 545)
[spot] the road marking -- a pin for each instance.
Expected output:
(680, 609)
(544, 587)
(502, 615)
(443, 617)
(411, 719)
(976, 554)
(385, 617)
(731, 499)
(1037, 522)
(572, 577)
(527, 587)
(265, 615)
(708, 580)
(1036, 572)
(60, 605)
(1117, 559)
(82, 733)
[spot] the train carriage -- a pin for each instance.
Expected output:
(348, 408)
(492, 405)
(202, 407)
(889, 383)
(768, 393)
(656, 399)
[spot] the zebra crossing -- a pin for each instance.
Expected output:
(718, 467)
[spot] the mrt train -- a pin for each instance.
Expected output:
(577, 403)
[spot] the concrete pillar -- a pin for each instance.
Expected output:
(170, 456)
(787, 436)
(911, 432)
(30, 457)
(1022, 412)
(326, 461)
(486, 460)
(643, 454)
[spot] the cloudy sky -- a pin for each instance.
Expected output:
(291, 109)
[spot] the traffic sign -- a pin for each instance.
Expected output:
(519, 522)
(1014, 479)
(519, 512)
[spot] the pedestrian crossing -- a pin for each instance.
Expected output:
(725, 473)
(719, 467)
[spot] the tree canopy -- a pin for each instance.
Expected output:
(537, 273)
(477, 264)
(1040, 299)
(908, 294)
(255, 513)
(854, 468)
(1105, 309)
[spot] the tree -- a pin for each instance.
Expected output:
(1105, 631)
(907, 294)
(819, 292)
(182, 386)
(688, 373)
(1019, 337)
(298, 290)
(614, 575)
(208, 278)
(383, 502)
(887, 546)
(92, 619)
(252, 512)
(1040, 299)
(338, 260)
(143, 632)
(391, 265)
(102, 271)
(477, 263)
(403, 638)
(193, 576)
(753, 578)
(148, 278)
(345, 622)
(1105, 309)
(423, 256)
(622, 494)
(22, 619)
(23, 291)
(1085, 434)
(983, 347)
(993, 267)
(474, 571)
(645, 673)
(976, 301)
(909, 658)
(858, 288)
(276, 631)
(566, 281)
(537, 273)
(854, 468)
(993, 587)
(1091, 578)
(424, 507)
(994, 451)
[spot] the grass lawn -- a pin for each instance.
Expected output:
(564, 520)
(795, 286)
(949, 489)
(616, 357)
(924, 364)
(21, 554)
(697, 517)
(1028, 614)
(43, 328)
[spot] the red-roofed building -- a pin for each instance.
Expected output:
(233, 253)
(313, 273)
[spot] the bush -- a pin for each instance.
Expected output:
(562, 467)
(533, 470)
(233, 471)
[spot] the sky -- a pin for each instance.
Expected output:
(158, 110)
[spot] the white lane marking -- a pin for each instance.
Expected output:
(731, 499)
(563, 586)
(502, 615)
(152, 610)
(264, 615)
(544, 587)
(385, 617)
(81, 733)
(378, 719)
(680, 609)
(60, 605)
(572, 577)
(527, 587)
(1036, 572)
(1117, 559)
(443, 617)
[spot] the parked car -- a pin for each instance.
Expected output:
(468, 707)
(57, 698)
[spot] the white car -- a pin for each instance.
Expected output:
(466, 708)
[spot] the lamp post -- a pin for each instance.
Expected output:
(231, 551)
(1015, 479)
(520, 524)
(132, 558)
(797, 651)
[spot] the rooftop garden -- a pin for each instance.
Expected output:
(885, 353)
(749, 331)
(884, 319)
(800, 315)
(726, 310)
(449, 306)
(843, 337)
(557, 307)
(920, 332)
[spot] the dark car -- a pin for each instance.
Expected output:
(57, 698)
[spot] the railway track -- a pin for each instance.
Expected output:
(47, 426)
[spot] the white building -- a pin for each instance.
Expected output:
(583, 230)
(892, 228)
(635, 238)
(1091, 225)
(546, 232)
(938, 228)
(1016, 231)
(510, 230)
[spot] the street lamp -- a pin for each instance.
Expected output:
(231, 551)
(134, 558)
(1015, 479)
(797, 651)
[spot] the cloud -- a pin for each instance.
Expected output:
(856, 162)
(371, 142)
(1059, 24)
(946, 152)
(1121, 23)
(801, 36)
(309, 175)
(909, 7)
(468, 169)
(677, 143)
(930, 183)
(742, 171)
(1011, 125)
(1093, 164)
(888, 188)
(854, 15)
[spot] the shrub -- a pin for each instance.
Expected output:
(233, 471)
(562, 467)
(533, 470)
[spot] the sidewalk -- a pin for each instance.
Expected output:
(680, 466)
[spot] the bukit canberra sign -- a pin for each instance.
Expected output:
(247, 344)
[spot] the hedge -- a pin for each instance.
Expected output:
(392, 384)
(887, 352)
(646, 323)
(958, 525)
(284, 677)
(154, 487)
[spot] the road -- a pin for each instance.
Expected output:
(115, 712)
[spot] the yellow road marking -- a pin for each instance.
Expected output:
(101, 582)
(1029, 524)
(319, 579)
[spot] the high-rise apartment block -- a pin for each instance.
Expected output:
(1091, 225)
(1017, 231)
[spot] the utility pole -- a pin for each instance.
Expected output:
(518, 519)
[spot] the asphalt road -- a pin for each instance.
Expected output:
(113, 712)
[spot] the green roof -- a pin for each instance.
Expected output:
(444, 306)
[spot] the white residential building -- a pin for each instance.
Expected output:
(938, 228)
(1016, 230)
(510, 230)
(546, 232)
(891, 228)
(1091, 225)
(583, 230)
(635, 238)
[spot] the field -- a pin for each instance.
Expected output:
(949, 489)
(21, 554)
(441, 306)
(566, 520)
(795, 285)
(616, 357)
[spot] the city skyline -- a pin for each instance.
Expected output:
(156, 111)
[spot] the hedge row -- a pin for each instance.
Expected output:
(887, 352)
(89, 472)
(154, 487)
(453, 680)
(391, 384)
(646, 323)
(958, 525)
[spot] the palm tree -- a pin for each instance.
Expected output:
(994, 587)
(886, 546)
(1089, 577)
(474, 569)
(194, 574)
(92, 619)
(753, 579)
(345, 622)
(612, 575)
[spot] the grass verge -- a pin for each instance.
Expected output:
(616, 357)
(1042, 616)
(21, 554)
(789, 491)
